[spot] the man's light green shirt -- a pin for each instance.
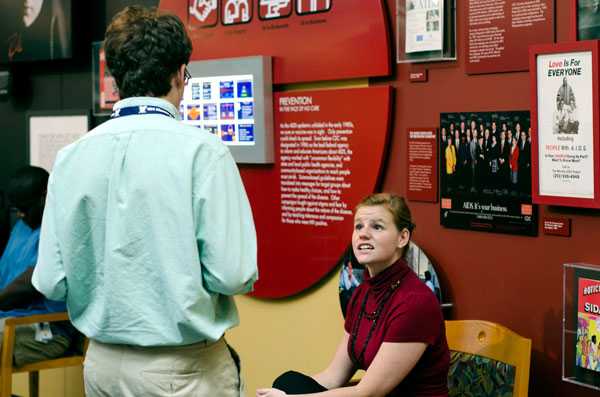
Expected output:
(147, 232)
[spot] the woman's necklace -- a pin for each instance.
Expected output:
(372, 316)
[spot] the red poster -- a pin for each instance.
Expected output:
(498, 33)
(589, 297)
(421, 178)
(109, 93)
(587, 349)
(329, 147)
(308, 39)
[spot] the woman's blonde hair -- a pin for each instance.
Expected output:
(395, 204)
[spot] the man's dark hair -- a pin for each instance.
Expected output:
(27, 192)
(144, 49)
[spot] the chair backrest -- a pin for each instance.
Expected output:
(6, 361)
(491, 341)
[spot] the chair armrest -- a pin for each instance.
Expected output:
(37, 318)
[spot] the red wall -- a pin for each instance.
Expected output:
(512, 280)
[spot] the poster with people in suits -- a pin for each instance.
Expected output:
(485, 172)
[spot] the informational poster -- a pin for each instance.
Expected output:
(588, 19)
(485, 172)
(424, 25)
(329, 149)
(50, 133)
(105, 91)
(422, 165)
(565, 125)
(498, 33)
(587, 348)
(109, 92)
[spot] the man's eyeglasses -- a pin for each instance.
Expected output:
(186, 76)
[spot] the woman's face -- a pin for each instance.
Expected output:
(376, 241)
(31, 10)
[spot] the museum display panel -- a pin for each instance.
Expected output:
(232, 98)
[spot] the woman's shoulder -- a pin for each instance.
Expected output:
(416, 294)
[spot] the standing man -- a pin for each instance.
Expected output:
(148, 231)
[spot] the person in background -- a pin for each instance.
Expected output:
(473, 155)
(148, 232)
(514, 166)
(503, 164)
(463, 163)
(394, 327)
(429, 281)
(524, 164)
(450, 154)
(18, 298)
(442, 152)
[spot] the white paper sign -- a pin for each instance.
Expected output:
(565, 125)
(49, 134)
(424, 25)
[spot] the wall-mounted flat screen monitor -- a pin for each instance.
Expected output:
(35, 30)
(232, 98)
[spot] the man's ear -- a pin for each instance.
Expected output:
(179, 77)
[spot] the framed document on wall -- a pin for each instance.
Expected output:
(50, 131)
(426, 30)
(565, 147)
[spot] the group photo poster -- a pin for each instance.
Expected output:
(565, 124)
(485, 172)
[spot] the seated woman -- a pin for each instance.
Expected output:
(394, 326)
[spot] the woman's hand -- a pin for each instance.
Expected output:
(270, 393)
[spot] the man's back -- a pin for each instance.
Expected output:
(145, 210)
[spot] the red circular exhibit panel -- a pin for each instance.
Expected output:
(329, 150)
(309, 40)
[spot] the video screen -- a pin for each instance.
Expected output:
(221, 105)
(35, 30)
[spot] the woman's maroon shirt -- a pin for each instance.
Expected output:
(411, 314)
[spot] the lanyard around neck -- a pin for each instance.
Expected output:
(140, 110)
